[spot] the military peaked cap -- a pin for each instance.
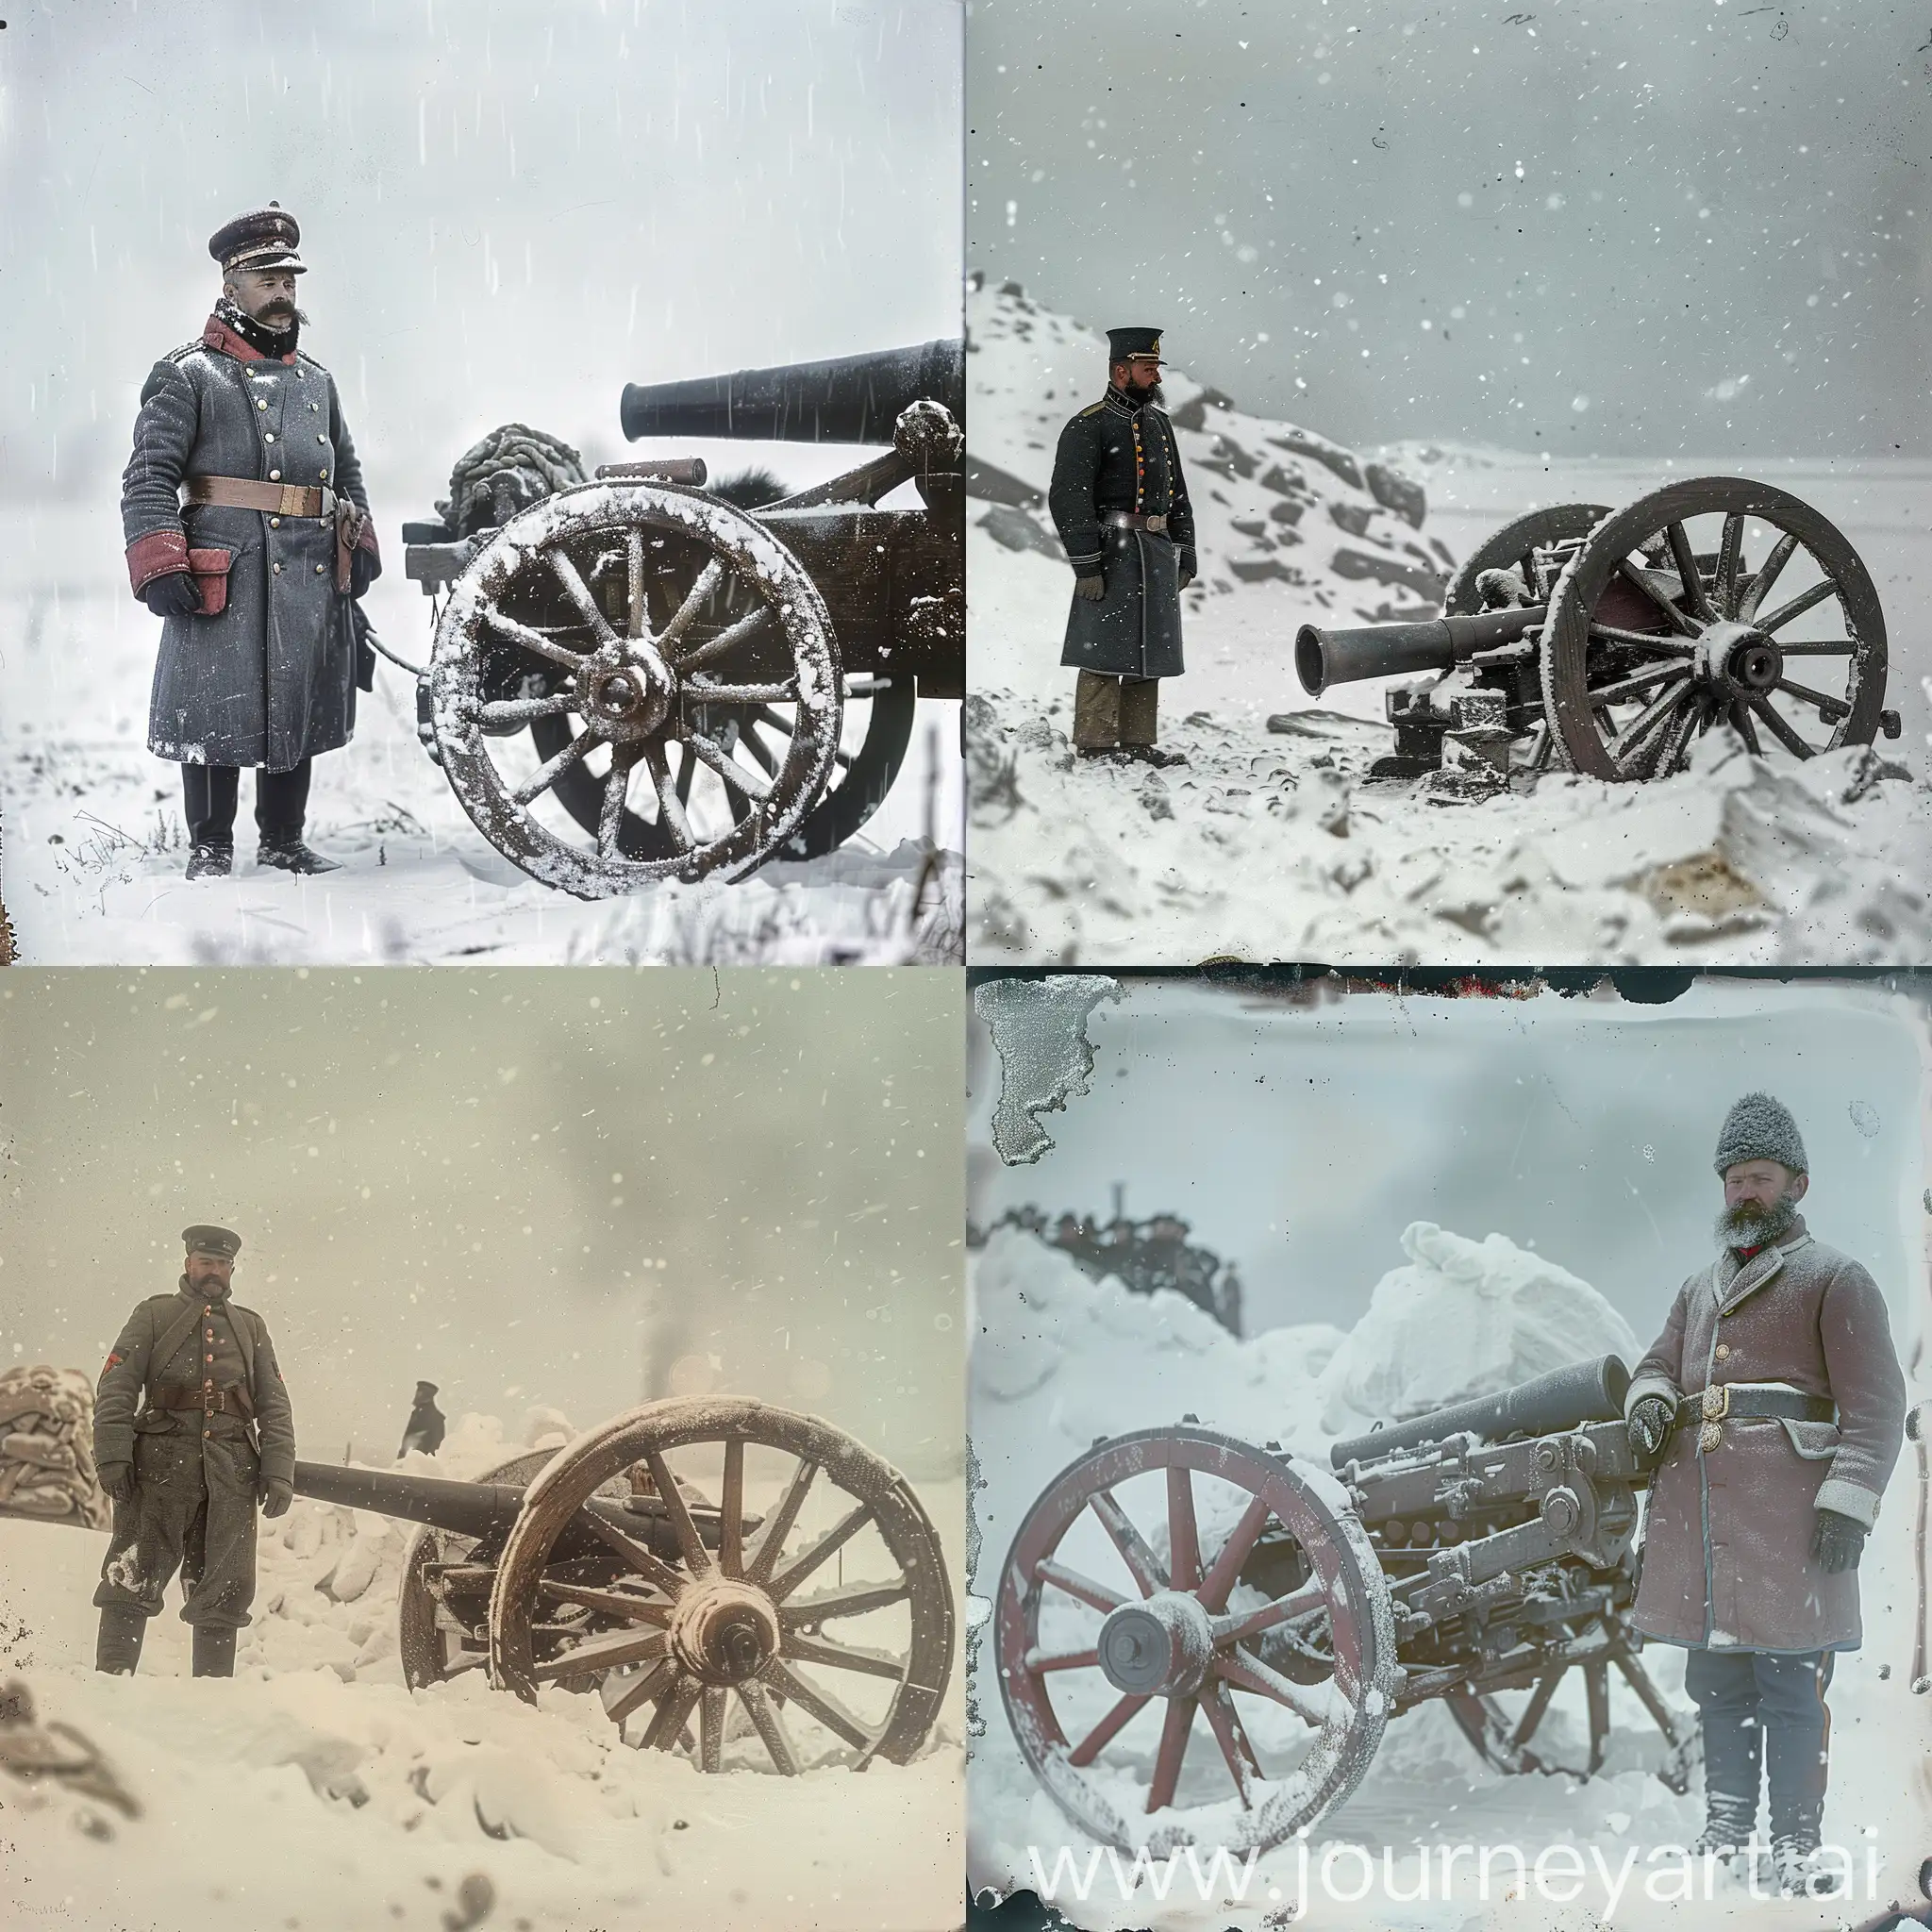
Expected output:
(1122, 342)
(204, 1239)
(424, 1389)
(264, 238)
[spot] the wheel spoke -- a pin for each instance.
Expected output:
(551, 770)
(1639, 639)
(645, 1563)
(1043, 1660)
(687, 771)
(1226, 1566)
(1098, 1594)
(712, 1719)
(1740, 717)
(633, 558)
(1688, 572)
(1830, 708)
(1183, 1532)
(734, 774)
(1229, 1733)
(1174, 1731)
(532, 640)
(673, 1706)
(780, 693)
(1647, 720)
(850, 1600)
(641, 1690)
(749, 737)
(608, 1603)
(1679, 622)
(732, 1510)
(771, 1543)
(1246, 1672)
(727, 640)
(765, 1716)
(1819, 647)
(1797, 605)
(578, 592)
(1142, 1564)
(616, 788)
(841, 1656)
(1779, 729)
(823, 1706)
(1780, 554)
(794, 1573)
(1688, 720)
(1237, 1629)
(1637, 681)
(521, 710)
(605, 1652)
(1730, 550)
(698, 1559)
(670, 804)
(694, 601)
(1097, 1741)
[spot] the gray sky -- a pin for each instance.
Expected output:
(508, 210)
(1302, 1141)
(1636, 229)
(424, 1168)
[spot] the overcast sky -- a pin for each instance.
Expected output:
(1604, 226)
(1300, 1140)
(508, 210)
(533, 1187)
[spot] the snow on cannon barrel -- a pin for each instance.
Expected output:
(701, 1623)
(1608, 643)
(645, 673)
(1481, 1556)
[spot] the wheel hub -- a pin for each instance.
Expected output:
(1163, 1645)
(1739, 658)
(725, 1631)
(629, 696)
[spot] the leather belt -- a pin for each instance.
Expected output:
(232, 1400)
(1133, 520)
(276, 499)
(1750, 1401)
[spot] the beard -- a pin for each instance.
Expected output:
(275, 332)
(1138, 393)
(1752, 1224)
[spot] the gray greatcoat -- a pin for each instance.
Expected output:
(270, 680)
(1727, 1534)
(195, 1476)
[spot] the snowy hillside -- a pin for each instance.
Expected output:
(1063, 1361)
(327, 1794)
(1269, 842)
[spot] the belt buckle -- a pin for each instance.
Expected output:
(1717, 1402)
(1158, 525)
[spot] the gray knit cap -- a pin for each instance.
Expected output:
(1760, 1128)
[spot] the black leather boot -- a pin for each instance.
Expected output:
(292, 854)
(210, 862)
(1795, 1760)
(1733, 1760)
(117, 1648)
(214, 1651)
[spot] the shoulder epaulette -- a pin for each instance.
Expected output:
(1092, 409)
(186, 350)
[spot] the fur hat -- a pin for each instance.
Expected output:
(1760, 1128)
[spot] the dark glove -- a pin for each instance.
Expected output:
(1651, 1423)
(1092, 589)
(1837, 1542)
(173, 595)
(1187, 578)
(277, 1496)
(361, 572)
(117, 1479)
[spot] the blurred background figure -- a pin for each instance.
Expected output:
(424, 1430)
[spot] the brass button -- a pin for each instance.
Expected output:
(274, 475)
(261, 405)
(208, 1433)
(1723, 1351)
(208, 1357)
(319, 436)
(313, 407)
(278, 570)
(325, 475)
(268, 436)
(318, 569)
(275, 523)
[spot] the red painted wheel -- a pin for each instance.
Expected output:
(1110, 1643)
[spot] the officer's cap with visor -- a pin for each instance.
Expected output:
(265, 238)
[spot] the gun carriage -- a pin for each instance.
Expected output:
(818, 1629)
(1476, 1557)
(1610, 641)
(636, 677)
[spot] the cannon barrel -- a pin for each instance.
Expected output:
(476, 1510)
(848, 399)
(1323, 657)
(1588, 1391)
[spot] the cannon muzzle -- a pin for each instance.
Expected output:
(848, 399)
(1323, 657)
(1588, 1392)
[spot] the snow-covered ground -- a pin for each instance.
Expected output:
(1062, 1360)
(315, 1790)
(94, 844)
(1268, 843)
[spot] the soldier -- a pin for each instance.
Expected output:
(1774, 1407)
(1120, 504)
(424, 1430)
(248, 532)
(213, 1438)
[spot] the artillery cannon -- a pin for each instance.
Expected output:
(758, 662)
(600, 1568)
(1607, 643)
(1476, 1556)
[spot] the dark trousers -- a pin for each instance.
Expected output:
(1736, 1690)
(211, 792)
